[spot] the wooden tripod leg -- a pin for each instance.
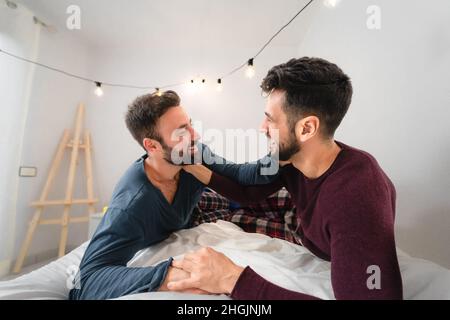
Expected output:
(88, 168)
(37, 216)
(71, 180)
(26, 243)
(64, 231)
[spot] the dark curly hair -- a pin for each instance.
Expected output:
(312, 86)
(144, 112)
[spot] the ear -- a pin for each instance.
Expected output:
(307, 128)
(150, 145)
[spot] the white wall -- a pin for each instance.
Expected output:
(18, 34)
(53, 104)
(400, 112)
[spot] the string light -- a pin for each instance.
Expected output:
(98, 90)
(219, 86)
(250, 71)
(201, 85)
(331, 3)
(193, 86)
(11, 5)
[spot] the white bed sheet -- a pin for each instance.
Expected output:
(288, 265)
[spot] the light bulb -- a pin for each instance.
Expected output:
(250, 71)
(158, 92)
(193, 86)
(331, 3)
(11, 4)
(219, 87)
(98, 91)
(201, 85)
(197, 85)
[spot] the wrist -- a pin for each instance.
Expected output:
(231, 279)
(163, 286)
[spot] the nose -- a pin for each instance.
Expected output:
(194, 134)
(264, 127)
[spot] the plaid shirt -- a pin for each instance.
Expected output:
(274, 216)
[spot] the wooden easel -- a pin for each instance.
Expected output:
(75, 145)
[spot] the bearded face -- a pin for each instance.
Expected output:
(282, 147)
(181, 154)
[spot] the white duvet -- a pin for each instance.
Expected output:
(283, 263)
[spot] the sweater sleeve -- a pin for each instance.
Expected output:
(243, 194)
(364, 263)
(251, 286)
(263, 171)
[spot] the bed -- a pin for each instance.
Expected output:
(284, 263)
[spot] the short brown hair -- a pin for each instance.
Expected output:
(144, 112)
(313, 86)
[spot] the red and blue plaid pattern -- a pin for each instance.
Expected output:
(274, 216)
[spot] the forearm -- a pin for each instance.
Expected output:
(200, 172)
(231, 189)
(242, 194)
(251, 286)
(372, 264)
(115, 281)
(263, 171)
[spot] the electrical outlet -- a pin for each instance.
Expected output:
(27, 172)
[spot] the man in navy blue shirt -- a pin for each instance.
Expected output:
(154, 198)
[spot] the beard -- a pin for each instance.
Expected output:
(182, 157)
(288, 149)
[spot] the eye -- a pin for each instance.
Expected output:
(180, 132)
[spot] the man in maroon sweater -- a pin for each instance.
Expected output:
(345, 203)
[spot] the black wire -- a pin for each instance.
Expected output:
(84, 78)
(282, 28)
(47, 67)
(268, 42)
(152, 87)
(234, 70)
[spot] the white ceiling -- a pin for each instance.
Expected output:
(178, 23)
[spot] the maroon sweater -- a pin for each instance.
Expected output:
(346, 217)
